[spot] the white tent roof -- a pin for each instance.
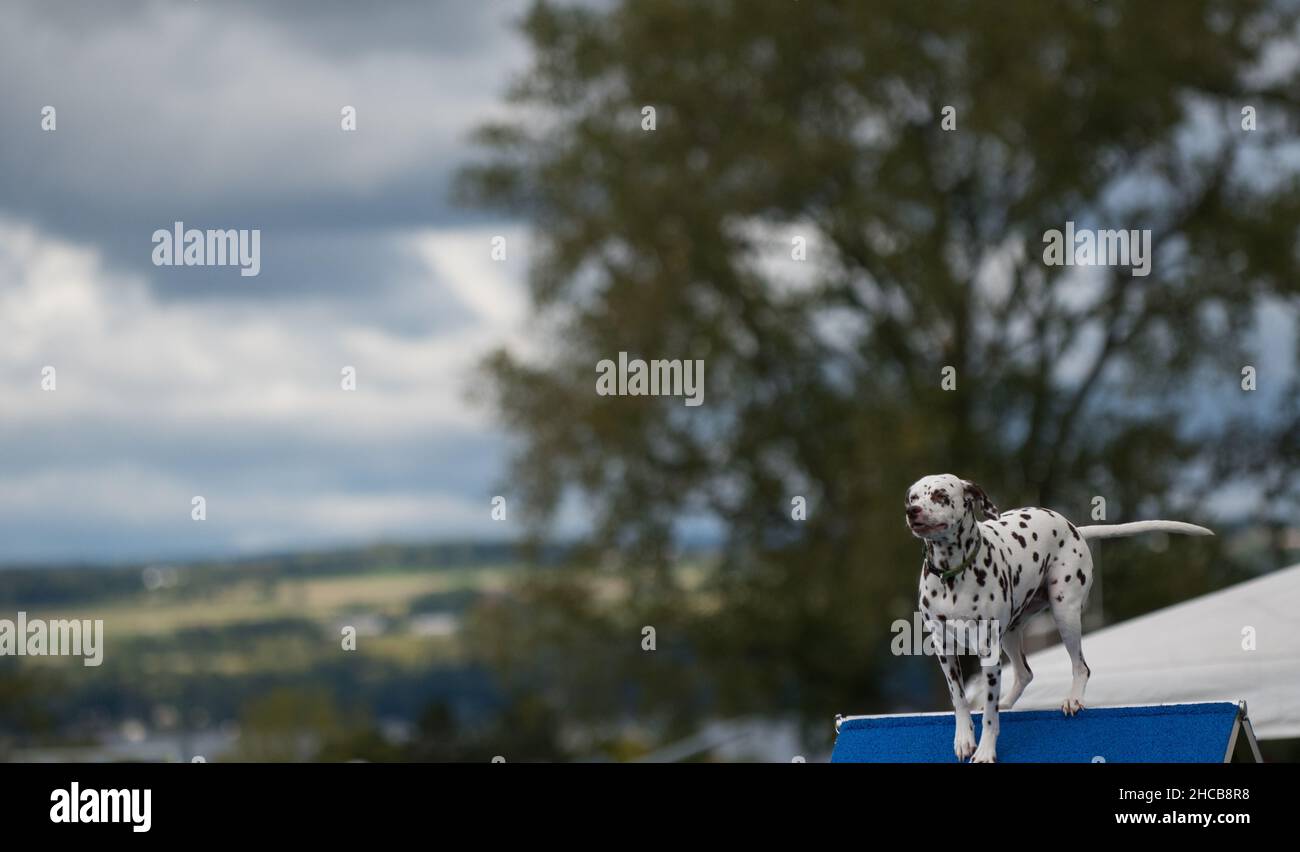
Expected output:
(1193, 652)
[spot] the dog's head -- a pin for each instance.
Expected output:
(937, 505)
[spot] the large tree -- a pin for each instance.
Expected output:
(825, 121)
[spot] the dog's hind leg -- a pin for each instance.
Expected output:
(1068, 621)
(1011, 643)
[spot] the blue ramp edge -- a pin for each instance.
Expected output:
(1163, 733)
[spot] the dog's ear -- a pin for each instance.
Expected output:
(977, 500)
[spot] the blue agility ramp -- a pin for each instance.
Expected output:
(1162, 733)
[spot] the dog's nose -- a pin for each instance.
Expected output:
(913, 511)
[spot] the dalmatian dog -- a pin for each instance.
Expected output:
(985, 574)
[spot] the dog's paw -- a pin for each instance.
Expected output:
(986, 753)
(1071, 706)
(963, 744)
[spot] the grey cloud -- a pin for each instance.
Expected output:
(227, 115)
(336, 27)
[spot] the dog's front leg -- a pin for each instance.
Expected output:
(987, 751)
(963, 742)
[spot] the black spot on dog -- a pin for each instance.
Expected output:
(1020, 538)
(1023, 515)
(1035, 536)
(1082, 579)
(1035, 555)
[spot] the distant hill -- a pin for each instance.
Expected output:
(53, 584)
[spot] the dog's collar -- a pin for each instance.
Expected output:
(965, 563)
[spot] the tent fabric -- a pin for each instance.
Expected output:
(1198, 650)
(1172, 733)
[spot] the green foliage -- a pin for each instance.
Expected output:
(288, 725)
(22, 698)
(526, 731)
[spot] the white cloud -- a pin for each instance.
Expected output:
(220, 376)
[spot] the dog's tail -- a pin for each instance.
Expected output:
(1139, 527)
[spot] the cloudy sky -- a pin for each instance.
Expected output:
(175, 382)
(181, 382)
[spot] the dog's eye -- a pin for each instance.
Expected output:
(939, 496)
